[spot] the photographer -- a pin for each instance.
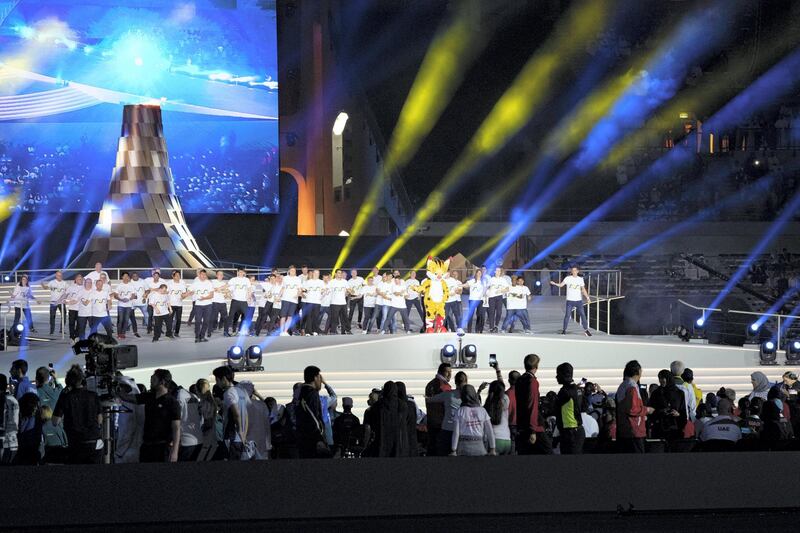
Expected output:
(80, 411)
(47, 386)
(9, 423)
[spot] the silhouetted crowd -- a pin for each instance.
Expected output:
(46, 422)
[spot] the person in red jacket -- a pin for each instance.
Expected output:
(531, 436)
(631, 411)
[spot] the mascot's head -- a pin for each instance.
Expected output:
(437, 268)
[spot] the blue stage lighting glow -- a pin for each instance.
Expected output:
(754, 327)
(20, 328)
(6, 278)
(796, 345)
(26, 32)
(700, 322)
(769, 345)
(778, 81)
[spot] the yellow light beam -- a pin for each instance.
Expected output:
(450, 54)
(563, 139)
(514, 108)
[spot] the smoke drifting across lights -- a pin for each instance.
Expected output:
(514, 109)
(437, 80)
(778, 81)
(643, 96)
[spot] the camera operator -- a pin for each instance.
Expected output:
(161, 438)
(82, 417)
(47, 386)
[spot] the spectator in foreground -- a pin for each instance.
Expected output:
(689, 399)
(234, 415)
(161, 438)
(82, 417)
(531, 436)
(631, 413)
(497, 406)
(688, 378)
(722, 432)
(29, 434)
(451, 401)
(347, 429)
(669, 409)
(410, 419)
(472, 427)
(55, 439)
(9, 422)
(386, 425)
(568, 412)
(440, 383)
(310, 430)
(47, 387)
(258, 425)
(191, 425)
(513, 376)
(760, 386)
(19, 379)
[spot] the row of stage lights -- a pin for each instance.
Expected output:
(241, 360)
(755, 334)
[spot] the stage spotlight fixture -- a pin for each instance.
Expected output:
(469, 356)
(449, 354)
(236, 358)
(6, 278)
(753, 333)
(683, 333)
(793, 352)
(767, 353)
(253, 358)
(700, 323)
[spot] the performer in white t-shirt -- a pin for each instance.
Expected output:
(576, 291)
(477, 292)
(369, 294)
(397, 304)
(325, 304)
(219, 303)
(202, 290)
(290, 294)
(101, 302)
(452, 307)
(141, 301)
(239, 289)
(518, 297)
(95, 274)
(177, 291)
(71, 299)
(338, 288)
(85, 301)
(496, 288)
(356, 300)
(413, 301)
(57, 288)
(125, 294)
(312, 300)
(152, 284)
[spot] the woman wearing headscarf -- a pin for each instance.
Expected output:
(410, 419)
(760, 385)
(472, 427)
(497, 404)
(669, 409)
(776, 429)
(385, 423)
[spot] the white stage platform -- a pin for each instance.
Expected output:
(354, 364)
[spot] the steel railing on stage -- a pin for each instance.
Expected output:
(779, 319)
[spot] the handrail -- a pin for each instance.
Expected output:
(597, 303)
(779, 316)
(687, 304)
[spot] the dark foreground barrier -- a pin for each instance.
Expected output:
(363, 493)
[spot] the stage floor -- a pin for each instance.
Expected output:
(355, 364)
